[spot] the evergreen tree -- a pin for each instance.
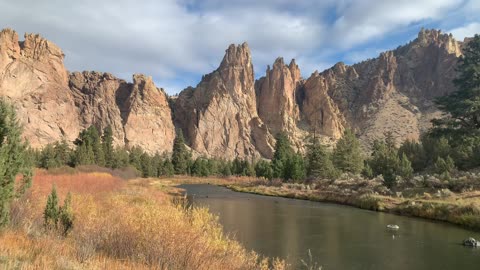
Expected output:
(263, 168)
(296, 168)
(444, 166)
(134, 157)
(319, 163)
(367, 171)
(47, 157)
(96, 143)
(63, 153)
(51, 211)
(414, 152)
(385, 161)
(181, 157)
(198, 167)
(120, 158)
(405, 169)
(146, 166)
(14, 160)
(107, 146)
(462, 107)
(226, 169)
(168, 169)
(347, 154)
(283, 152)
(65, 215)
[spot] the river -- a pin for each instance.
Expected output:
(339, 237)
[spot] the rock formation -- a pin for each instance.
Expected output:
(276, 97)
(229, 114)
(147, 117)
(219, 116)
(32, 76)
(54, 105)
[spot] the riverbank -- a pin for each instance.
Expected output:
(461, 209)
(119, 224)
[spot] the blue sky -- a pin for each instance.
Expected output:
(177, 41)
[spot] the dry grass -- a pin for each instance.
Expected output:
(119, 225)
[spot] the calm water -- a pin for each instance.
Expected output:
(339, 237)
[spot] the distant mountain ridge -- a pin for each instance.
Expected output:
(230, 114)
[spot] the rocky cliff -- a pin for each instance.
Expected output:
(54, 105)
(229, 113)
(219, 117)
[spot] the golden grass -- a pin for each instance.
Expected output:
(119, 225)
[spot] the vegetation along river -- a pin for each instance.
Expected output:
(339, 237)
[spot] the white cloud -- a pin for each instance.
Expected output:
(468, 30)
(170, 39)
(362, 21)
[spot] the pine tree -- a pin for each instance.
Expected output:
(367, 171)
(462, 107)
(120, 158)
(65, 215)
(226, 168)
(443, 166)
(405, 169)
(134, 157)
(107, 146)
(319, 163)
(263, 168)
(51, 211)
(347, 154)
(415, 152)
(296, 168)
(168, 169)
(47, 157)
(385, 161)
(146, 165)
(63, 153)
(96, 145)
(283, 151)
(14, 160)
(181, 157)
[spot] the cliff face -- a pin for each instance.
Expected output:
(276, 97)
(54, 105)
(229, 114)
(33, 77)
(219, 116)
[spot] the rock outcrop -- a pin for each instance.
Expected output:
(147, 117)
(229, 114)
(276, 98)
(54, 105)
(33, 78)
(219, 117)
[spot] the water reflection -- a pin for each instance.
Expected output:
(339, 237)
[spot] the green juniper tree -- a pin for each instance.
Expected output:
(283, 152)
(107, 146)
(347, 155)
(181, 157)
(65, 215)
(264, 169)
(51, 212)
(415, 152)
(460, 124)
(295, 169)
(319, 162)
(14, 160)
